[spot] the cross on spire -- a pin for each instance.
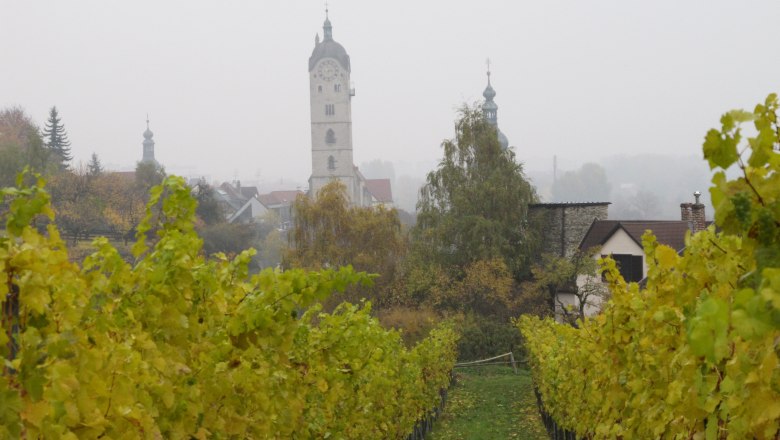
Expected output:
(147, 121)
(326, 9)
(487, 62)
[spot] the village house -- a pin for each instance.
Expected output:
(569, 228)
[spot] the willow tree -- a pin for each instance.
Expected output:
(329, 232)
(474, 205)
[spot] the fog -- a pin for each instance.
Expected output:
(226, 88)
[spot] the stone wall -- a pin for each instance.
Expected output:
(564, 225)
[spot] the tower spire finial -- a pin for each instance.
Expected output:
(487, 62)
(147, 121)
(326, 27)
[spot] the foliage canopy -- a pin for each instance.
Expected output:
(328, 232)
(474, 205)
(21, 145)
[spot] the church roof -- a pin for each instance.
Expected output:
(502, 139)
(380, 189)
(329, 48)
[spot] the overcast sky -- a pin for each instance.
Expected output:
(226, 87)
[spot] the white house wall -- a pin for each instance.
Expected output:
(258, 209)
(619, 243)
(622, 243)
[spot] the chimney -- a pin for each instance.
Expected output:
(693, 213)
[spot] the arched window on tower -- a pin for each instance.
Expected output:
(331, 163)
(319, 89)
(330, 137)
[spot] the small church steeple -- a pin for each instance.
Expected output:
(327, 29)
(148, 143)
(490, 109)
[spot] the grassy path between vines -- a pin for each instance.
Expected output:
(490, 403)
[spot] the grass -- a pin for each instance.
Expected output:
(490, 403)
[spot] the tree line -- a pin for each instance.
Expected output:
(474, 252)
(90, 200)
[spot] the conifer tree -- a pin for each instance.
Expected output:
(56, 139)
(94, 168)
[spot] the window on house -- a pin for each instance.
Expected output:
(630, 266)
(331, 163)
(337, 87)
(330, 137)
(319, 89)
(330, 109)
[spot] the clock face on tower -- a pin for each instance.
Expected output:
(327, 70)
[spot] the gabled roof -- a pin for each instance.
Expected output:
(249, 191)
(380, 189)
(266, 199)
(278, 197)
(567, 204)
(232, 192)
(668, 232)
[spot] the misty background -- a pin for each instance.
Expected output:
(620, 92)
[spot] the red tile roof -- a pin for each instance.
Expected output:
(278, 197)
(380, 189)
(266, 199)
(668, 232)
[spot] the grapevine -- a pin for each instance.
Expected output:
(179, 345)
(694, 353)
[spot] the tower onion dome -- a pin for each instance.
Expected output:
(489, 93)
(490, 112)
(148, 133)
(328, 48)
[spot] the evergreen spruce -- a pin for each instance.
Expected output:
(56, 139)
(94, 168)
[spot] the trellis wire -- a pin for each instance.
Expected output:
(482, 362)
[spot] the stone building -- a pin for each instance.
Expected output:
(564, 225)
(569, 227)
(331, 122)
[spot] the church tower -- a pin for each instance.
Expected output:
(331, 117)
(148, 144)
(490, 111)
